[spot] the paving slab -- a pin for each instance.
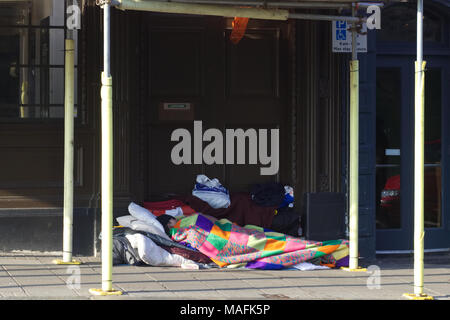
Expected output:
(37, 277)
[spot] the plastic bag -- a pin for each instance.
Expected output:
(212, 192)
(288, 200)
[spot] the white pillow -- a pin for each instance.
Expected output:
(125, 221)
(144, 215)
(135, 224)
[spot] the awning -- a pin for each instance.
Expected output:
(268, 10)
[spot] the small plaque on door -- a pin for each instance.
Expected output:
(392, 152)
(176, 111)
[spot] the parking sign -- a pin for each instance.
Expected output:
(342, 38)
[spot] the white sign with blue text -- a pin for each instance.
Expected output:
(342, 37)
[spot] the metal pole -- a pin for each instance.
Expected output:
(354, 150)
(207, 8)
(281, 4)
(419, 133)
(106, 160)
(308, 5)
(354, 155)
(419, 161)
(202, 9)
(69, 93)
(322, 17)
(107, 40)
(419, 157)
(107, 151)
(419, 177)
(68, 150)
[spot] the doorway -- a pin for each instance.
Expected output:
(395, 153)
(193, 65)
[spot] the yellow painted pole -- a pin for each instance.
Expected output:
(68, 150)
(106, 163)
(354, 158)
(69, 88)
(107, 181)
(107, 188)
(419, 133)
(419, 150)
(354, 150)
(354, 169)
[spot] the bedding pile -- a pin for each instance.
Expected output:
(228, 244)
(257, 230)
(140, 239)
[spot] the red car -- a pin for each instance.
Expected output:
(390, 198)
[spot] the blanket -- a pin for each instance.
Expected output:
(230, 245)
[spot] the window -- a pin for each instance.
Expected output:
(400, 24)
(32, 40)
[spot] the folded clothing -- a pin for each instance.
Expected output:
(269, 194)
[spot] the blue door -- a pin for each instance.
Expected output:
(395, 153)
(393, 117)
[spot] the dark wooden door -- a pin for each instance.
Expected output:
(228, 86)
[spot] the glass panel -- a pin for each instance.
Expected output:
(14, 14)
(388, 155)
(56, 49)
(31, 92)
(433, 116)
(45, 46)
(432, 197)
(56, 81)
(32, 59)
(399, 24)
(57, 17)
(432, 174)
(9, 72)
(20, 97)
(58, 112)
(18, 13)
(388, 188)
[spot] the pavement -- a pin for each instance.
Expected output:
(30, 276)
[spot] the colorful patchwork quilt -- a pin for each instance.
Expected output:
(230, 245)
